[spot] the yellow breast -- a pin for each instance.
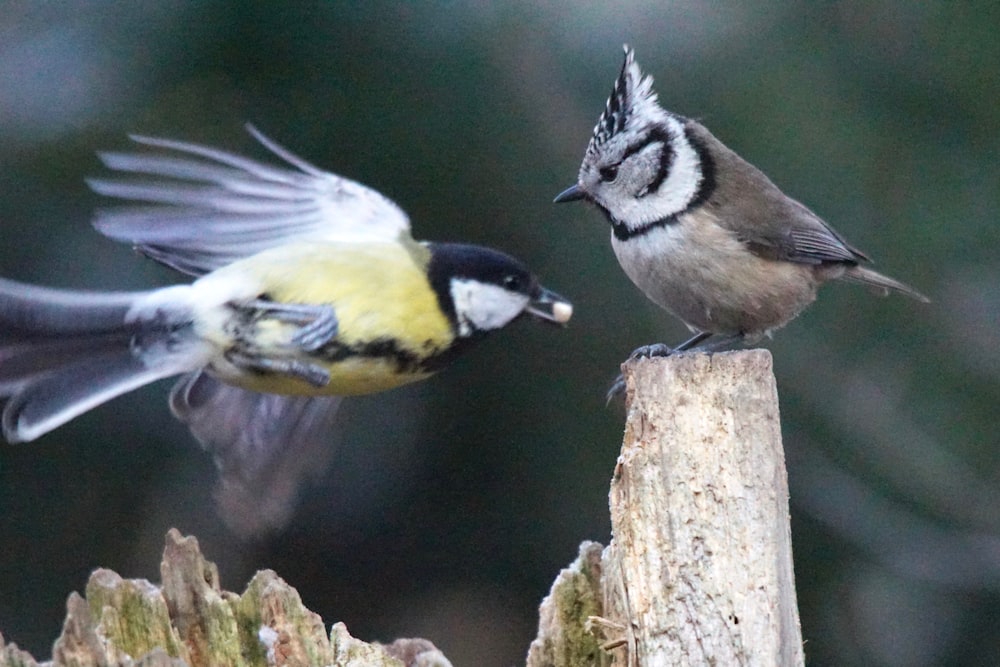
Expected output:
(382, 300)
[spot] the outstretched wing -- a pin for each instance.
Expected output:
(266, 446)
(202, 208)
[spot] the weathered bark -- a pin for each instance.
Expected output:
(699, 570)
(189, 620)
(563, 636)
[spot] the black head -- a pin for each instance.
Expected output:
(482, 290)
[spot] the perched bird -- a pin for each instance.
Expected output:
(308, 287)
(703, 233)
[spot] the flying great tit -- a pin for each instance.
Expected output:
(308, 287)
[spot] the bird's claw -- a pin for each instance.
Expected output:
(616, 389)
(653, 350)
(646, 351)
(318, 323)
(312, 374)
(320, 331)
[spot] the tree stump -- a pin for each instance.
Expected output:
(699, 569)
(189, 621)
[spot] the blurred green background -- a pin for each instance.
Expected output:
(451, 505)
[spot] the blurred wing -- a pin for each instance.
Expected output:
(202, 208)
(265, 446)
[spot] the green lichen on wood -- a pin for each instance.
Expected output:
(132, 616)
(190, 621)
(269, 601)
(199, 610)
(564, 638)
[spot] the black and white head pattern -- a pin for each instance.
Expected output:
(482, 289)
(642, 167)
(484, 306)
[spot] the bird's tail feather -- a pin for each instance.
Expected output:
(52, 399)
(861, 274)
(63, 352)
(33, 312)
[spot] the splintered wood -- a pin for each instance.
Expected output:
(699, 569)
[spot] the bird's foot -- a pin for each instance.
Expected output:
(656, 350)
(323, 329)
(319, 322)
(312, 374)
(616, 389)
(645, 352)
(653, 350)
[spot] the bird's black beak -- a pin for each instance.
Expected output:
(572, 193)
(549, 306)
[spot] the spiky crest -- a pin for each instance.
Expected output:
(632, 103)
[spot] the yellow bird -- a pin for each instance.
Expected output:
(308, 287)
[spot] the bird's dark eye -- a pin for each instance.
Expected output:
(609, 174)
(512, 283)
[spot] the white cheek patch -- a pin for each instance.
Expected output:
(682, 183)
(674, 194)
(482, 306)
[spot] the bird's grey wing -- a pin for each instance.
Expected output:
(796, 234)
(264, 445)
(198, 208)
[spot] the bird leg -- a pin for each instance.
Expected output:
(662, 350)
(319, 323)
(651, 350)
(695, 342)
(312, 374)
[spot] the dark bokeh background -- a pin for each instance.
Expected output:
(453, 504)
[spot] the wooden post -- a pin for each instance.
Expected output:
(700, 567)
(699, 570)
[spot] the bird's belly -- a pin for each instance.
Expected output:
(348, 377)
(390, 329)
(712, 282)
(362, 375)
(266, 358)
